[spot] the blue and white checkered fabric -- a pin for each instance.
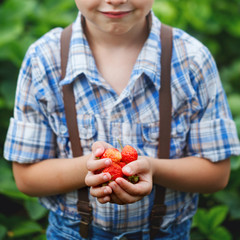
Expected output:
(202, 125)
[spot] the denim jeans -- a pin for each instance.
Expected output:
(61, 228)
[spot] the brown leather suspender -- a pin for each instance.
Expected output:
(69, 100)
(165, 105)
(83, 205)
(165, 109)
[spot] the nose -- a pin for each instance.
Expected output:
(116, 2)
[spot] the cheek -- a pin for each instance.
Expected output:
(78, 4)
(146, 5)
(86, 5)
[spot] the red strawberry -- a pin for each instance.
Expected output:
(113, 154)
(115, 171)
(129, 154)
(119, 160)
(98, 171)
(121, 164)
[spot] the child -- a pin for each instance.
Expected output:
(114, 65)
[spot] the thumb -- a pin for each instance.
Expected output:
(130, 169)
(99, 147)
(135, 167)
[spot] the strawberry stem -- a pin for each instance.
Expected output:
(120, 144)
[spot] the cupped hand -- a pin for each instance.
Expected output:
(124, 192)
(94, 180)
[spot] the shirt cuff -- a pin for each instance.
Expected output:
(29, 142)
(215, 139)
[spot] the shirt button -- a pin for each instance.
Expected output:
(63, 129)
(180, 129)
(154, 135)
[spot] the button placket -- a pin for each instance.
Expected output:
(180, 128)
(63, 129)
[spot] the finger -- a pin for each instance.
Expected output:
(100, 192)
(141, 188)
(120, 196)
(135, 167)
(99, 147)
(95, 164)
(93, 180)
(115, 199)
(104, 200)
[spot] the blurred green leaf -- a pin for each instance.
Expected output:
(237, 122)
(230, 77)
(26, 228)
(7, 88)
(220, 233)
(10, 32)
(7, 183)
(217, 215)
(234, 103)
(34, 209)
(208, 222)
(200, 220)
(235, 163)
(230, 199)
(3, 232)
(165, 10)
(40, 237)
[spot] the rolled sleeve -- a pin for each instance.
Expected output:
(30, 137)
(215, 139)
(213, 133)
(28, 142)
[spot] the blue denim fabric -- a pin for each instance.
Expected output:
(61, 228)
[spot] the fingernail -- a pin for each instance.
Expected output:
(105, 191)
(127, 169)
(106, 199)
(105, 177)
(113, 185)
(98, 152)
(108, 162)
(118, 180)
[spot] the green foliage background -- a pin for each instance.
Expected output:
(215, 23)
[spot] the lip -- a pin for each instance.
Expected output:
(116, 14)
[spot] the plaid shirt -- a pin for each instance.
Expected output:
(202, 125)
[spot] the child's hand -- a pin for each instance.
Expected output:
(124, 192)
(120, 191)
(95, 181)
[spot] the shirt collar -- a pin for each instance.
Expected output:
(148, 61)
(81, 61)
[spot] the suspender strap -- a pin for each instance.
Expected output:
(165, 105)
(165, 93)
(83, 205)
(68, 96)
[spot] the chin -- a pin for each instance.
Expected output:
(118, 30)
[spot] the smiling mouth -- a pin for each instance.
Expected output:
(116, 14)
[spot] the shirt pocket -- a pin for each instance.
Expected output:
(178, 139)
(150, 133)
(87, 128)
(150, 136)
(87, 132)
